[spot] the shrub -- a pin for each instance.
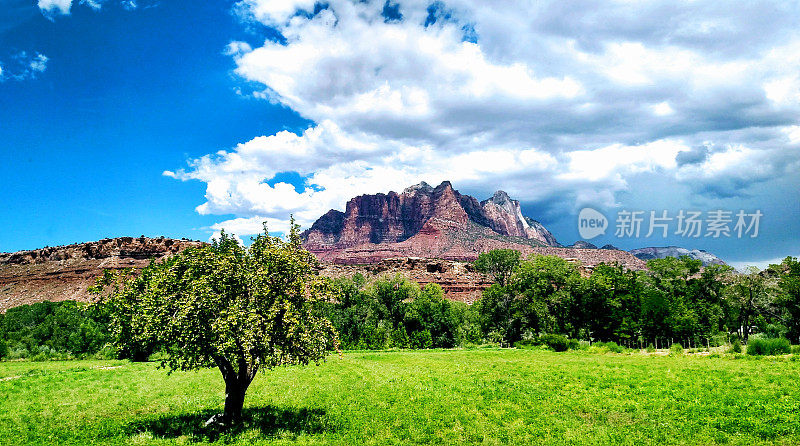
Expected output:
(18, 352)
(526, 343)
(421, 339)
(718, 340)
(736, 347)
(676, 349)
(651, 348)
(556, 342)
(3, 348)
(796, 349)
(768, 346)
(612, 346)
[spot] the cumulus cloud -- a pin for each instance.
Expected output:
(540, 99)
(54, 7)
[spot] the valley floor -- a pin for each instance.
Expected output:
(483, 396)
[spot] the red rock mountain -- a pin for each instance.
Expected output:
(423, 221)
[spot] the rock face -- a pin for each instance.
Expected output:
(421, 218)
(439, 222)
(676, 251)
(582, 244)
(65, 272)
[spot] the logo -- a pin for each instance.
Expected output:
(591, 223)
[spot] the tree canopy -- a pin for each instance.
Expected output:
(239, 309)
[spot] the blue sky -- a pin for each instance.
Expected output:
(125, 95)
(178, 119)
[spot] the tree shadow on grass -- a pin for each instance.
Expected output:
(270, 421)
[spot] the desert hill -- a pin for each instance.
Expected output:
(65, 272)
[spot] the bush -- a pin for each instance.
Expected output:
(555, 342)
(3, 348)
(612, 346)
(736, 347)
(526, 343)
(758, 346)
(676, 349)
(650, 348)
(796, 349)
(421, 339)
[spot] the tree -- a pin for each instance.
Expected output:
(750, 294)
(789, 298)
(498, 263)
(544, 286)
(239, 309)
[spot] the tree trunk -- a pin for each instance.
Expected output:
(236, 384)
(234, 401)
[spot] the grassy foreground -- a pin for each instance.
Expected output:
(442, 397)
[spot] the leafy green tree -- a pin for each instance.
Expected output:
(545, 286)
(239, 309)
(498, 263)
(750, 295)
(610, 303)
(63, 327)
(432, 313)
(497, 312)
(789, 298)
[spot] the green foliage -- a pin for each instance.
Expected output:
(611, 346)
(498, 263)
(758, 346)
(796, 349)
(239, 309)
(53, 330)
(736, 347)
(676, 349)
(650, 348)
(788, 273)
(394, 312)
(555, 342)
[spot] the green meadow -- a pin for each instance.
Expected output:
(481, 396)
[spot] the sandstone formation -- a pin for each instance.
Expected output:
(65, 272)
(440, 223)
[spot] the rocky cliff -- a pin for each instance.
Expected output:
(441, 223)
(65, 272)
(676, 251)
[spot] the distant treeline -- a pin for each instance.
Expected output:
(674, 301)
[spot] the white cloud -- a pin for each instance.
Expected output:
(39, 63)
(54, 7)
(543, 100)
(23, 66)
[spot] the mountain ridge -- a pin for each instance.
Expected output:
(437, 222)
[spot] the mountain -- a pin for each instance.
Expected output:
(583, 244)
(676, 251)
(439, 222)
(65, 272)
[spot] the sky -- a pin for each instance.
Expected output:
(159, 117)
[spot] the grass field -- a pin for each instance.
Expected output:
(439, 397)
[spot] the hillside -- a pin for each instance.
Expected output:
(65, 272)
